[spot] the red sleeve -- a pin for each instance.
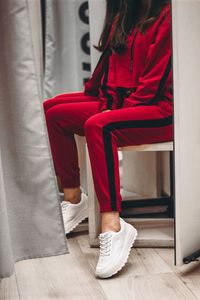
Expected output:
(157, 67)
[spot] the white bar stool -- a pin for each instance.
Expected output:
(153, 232)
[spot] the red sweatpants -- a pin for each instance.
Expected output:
(76, 113)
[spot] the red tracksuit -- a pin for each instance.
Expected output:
(136, 86)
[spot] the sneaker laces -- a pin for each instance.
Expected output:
(105, 244)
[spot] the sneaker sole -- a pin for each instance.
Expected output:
(129, 245)
(79, 218)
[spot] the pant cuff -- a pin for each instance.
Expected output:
(70, 184)
(109, 209)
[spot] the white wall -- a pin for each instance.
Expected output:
(186, 44)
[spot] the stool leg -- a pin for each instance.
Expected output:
(171, 200)
(94, 218)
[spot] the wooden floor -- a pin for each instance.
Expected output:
(149, 274)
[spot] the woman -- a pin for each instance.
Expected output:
(127, 101)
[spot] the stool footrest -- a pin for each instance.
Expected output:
(146, 202)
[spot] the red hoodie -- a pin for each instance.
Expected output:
(143, 71)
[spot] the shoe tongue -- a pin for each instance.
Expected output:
(65, 202)
(106, 233)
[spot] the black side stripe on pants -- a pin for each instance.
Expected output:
(107, 130)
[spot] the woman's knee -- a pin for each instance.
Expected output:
(93, 123)
(51, 114)
(47, 103)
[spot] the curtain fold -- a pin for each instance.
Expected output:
(31, 222)
(67, 48)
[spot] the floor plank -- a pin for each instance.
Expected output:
(8, 288)
(188, 273)
(193, 284)
(63, 277)
(163, 286)
(150, 274)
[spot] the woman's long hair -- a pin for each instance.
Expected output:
(126, 14)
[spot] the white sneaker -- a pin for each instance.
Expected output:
(114, 249)
(73, 214)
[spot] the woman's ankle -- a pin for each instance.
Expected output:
(72, 195)
(110, 221)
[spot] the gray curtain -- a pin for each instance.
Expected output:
(67, 48)
(31, 223)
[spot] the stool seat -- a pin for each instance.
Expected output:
(164, 146)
